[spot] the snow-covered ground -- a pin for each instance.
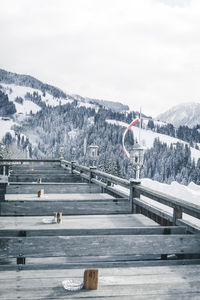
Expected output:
(14, 91)
(147, 138)
(190, 193)
(27, 107)
(88, 105)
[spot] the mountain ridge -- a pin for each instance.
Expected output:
(185, 114)
(7, 77)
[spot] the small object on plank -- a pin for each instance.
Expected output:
(72, 285)
(41, 193)
(91, 279)
(39, 180)
(58, 217)
(49, 221)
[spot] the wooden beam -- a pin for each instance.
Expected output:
(71, 246)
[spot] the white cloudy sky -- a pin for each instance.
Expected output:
(140, 52)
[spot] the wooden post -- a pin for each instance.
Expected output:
(73, 165)
(133, 194)
(109, 183)
(91, 175)
(3, 186)
(9, 170)
(177, 214)
(91, 279)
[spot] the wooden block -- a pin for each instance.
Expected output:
(59, 217)
(91, 279)
(41, 192)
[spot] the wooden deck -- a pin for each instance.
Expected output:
(158, 282)
(136, 257)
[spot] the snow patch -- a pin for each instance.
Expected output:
(88, 105)
(14, 91)
(27, 107)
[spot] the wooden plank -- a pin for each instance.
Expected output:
(185, 270)
(166, 215)
(52, 188)
(161, 283)
(62, 263)
(46, 178)
(53, 231)
(84, 225)
(56, 197)
(87, 223)
(46, 208)
(106, 231)
(99, 245)
(186, 206)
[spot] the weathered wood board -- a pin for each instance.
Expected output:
(45, 178)
(76, 207)
(77, 225)
(68, 204)
(157, 283)
(52, 188)
(101, 245)
(59, 197)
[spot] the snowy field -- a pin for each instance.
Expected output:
(14, 91)
(147, 138)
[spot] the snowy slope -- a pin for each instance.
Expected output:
(88, 105)
(183, 114)
(147, 138)
(14, 91)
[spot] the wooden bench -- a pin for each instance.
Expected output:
(68, 204)
(52, 188)
(45, 178)
(85, 225)
(103, 249)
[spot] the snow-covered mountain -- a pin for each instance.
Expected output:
(31, 89)
(187, 114)
(38, 119)
(29, 95)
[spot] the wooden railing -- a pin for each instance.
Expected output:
(134, 190)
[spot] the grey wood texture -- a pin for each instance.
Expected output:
(103, 231)
(101, 245)
(95, 222)
(90, 262)
(89, 241)
(45, 178)
(76, 207)
(58, 197)
(189, 208)
(60, 188)
(158, 283)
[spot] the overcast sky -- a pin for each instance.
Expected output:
(139, 52)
